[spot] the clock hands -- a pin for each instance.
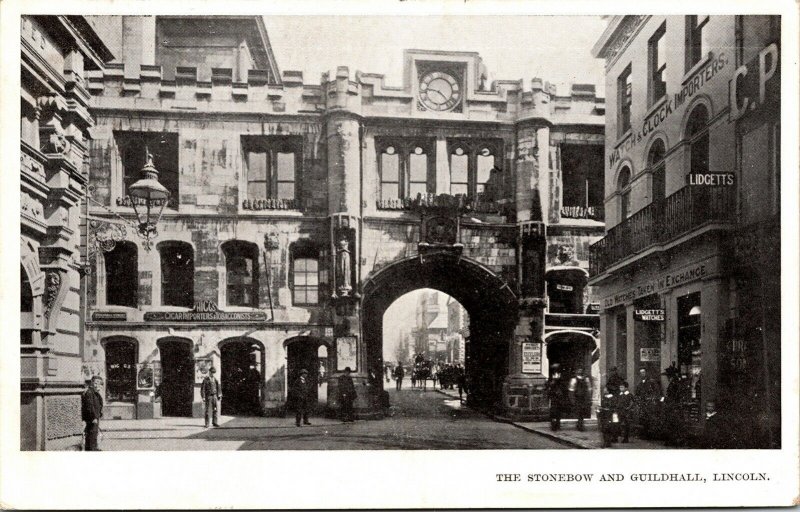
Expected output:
(437, 92)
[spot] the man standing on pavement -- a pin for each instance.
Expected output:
(557, 392)
(91, 412)
(399, 373)
(347, 395)
(580, 388)
(300, 397)
(647, 395)
(210, 393)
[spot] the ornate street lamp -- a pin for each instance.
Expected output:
(148, 197)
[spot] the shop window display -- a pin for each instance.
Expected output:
(690, 352)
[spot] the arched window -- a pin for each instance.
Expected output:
(241, 273)
(624, 189)
(120, 370)
(122, 278)
(655, 160)
(177, 274)
(697, 135)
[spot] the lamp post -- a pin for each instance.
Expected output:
(148, 197)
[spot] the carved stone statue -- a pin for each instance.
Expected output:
(343, 268)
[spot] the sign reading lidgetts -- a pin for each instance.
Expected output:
(205, 311)
(711, 179)
(648, 315)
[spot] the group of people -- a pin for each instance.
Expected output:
(301, 397)
(645, 411)
(574, 394)
(447, 375)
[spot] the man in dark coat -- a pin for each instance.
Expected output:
(399, 373)
(609, 415)
(91, 412)
(646, 396)
(347, 395)
(557, 392)
(211, 393)
(625, 409)
(301, 396)
(580, 388)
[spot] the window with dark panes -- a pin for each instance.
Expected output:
(122, 275)
(697, 135)
(582, 180)
(272, 166)
(624, 189)
(120, 371)
(655, 159)
(696, 45)
(177, 274)
(134, 147)
(658, 64)
(241, 272)
(26, 308)
(305, 280)
(624, 99)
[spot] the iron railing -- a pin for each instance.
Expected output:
(687, 209)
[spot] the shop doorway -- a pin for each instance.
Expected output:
(571, 350)
(242, 377)
(177, 380)
(309, 354)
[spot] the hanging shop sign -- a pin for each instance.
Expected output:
(346, 352)
(592, 308)
(755, 86)
(564, 287)
(531, 357)
(650, 355)
(648, 315)
(109, 316)
(711, 179)
(205, 311)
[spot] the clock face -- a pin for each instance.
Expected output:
(439, 91)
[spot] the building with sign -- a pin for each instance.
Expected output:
(688, 271)
(55, 126)
(300, 209)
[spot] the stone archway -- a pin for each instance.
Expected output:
(242, 376)
(489, 301)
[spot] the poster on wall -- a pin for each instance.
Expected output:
(346, 349)
(531, 357)
(650, 355)
(145, 378)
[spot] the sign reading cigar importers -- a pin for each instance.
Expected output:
(205, 311)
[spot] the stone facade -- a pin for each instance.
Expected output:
(368, 203)
(674, 246)
(57, 52)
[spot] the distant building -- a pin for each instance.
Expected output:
(688, 272)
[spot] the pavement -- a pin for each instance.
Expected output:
(569, 435)
(421, 420)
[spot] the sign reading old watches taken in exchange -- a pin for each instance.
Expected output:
(648, 315)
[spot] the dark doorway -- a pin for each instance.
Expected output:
(177, 381)
(571, 350)
(241, 377)
(303, 354)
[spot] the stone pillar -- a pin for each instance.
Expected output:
(524, 387)
(343, 131)
(138, 43)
